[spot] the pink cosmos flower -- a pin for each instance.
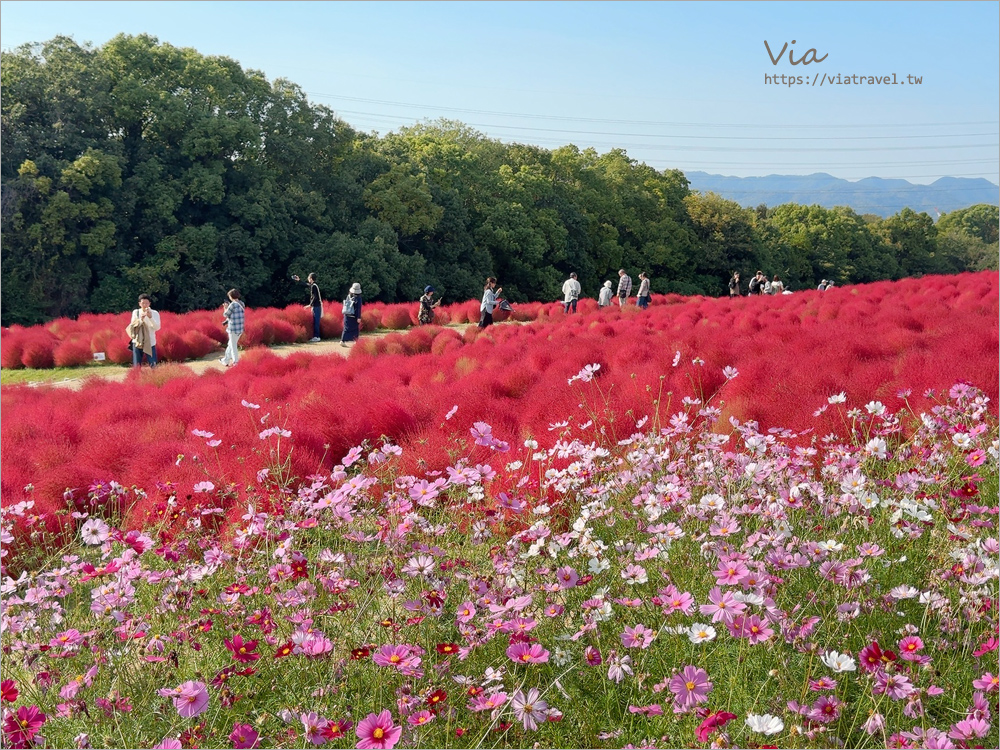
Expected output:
(722, 606)
(377, 732)
(676, 601)
(20, 727)
(524, 653)
(969, 729)
(169, 743)
(988, 683)
(420, 718)
(489, 702)
(730, 573)
(896, 686)
(567, 577)
(690, 688)
(638, 637)
(190, 698)
(529, 709)
(909, 646)
(466, 611)
(593, 656)
(654, 709)
(244, 736)
(392, 656)
(752, 628)
(313, 726)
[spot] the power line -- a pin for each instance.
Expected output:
(640, 122)
(698, 137)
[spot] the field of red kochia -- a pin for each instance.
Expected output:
(67, 342)
(890, 342)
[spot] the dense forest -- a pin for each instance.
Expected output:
(142, 167)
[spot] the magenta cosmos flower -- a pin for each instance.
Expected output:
(244, 736)
(22, 726)
(377, 732)
(242, 651)
(523, 653)
(690, 687)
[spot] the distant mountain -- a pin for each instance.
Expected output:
(872, 195)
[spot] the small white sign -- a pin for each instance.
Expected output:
(99, 356)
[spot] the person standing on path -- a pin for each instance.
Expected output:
(571, 293)
(489, 303)
(315, 302)
(352, 315)
(642, 299)
(624, 287)
(235, 315)
(142, 331)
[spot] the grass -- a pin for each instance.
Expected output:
(30, 375)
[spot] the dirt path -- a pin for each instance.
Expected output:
(211, 361)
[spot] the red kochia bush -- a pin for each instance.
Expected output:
(72, 352)
(395, 317)
(37, 351)
(11, 349)
(371, 317)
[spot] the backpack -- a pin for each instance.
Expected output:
(349, 306)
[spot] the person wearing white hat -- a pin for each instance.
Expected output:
(604, 299)
(352, 315)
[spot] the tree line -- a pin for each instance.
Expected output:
(137, 166)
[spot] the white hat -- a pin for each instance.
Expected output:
(355, 288)
(607, 284)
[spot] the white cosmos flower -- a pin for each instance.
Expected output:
(875, 407)
(95, 531)
(876, 447)
(961, 440)
(765, 723)
(838, 398)
(903, 592)
(839, 662)
(701, 633)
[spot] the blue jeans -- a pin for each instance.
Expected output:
(138, 355)
(568, 305)
(317, 314)
(643, 302)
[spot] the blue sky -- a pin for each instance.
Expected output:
(677, 85)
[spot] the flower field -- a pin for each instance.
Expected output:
(752, 522)
(72, 343)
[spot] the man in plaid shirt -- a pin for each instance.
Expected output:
(624, 287)
(235, 316)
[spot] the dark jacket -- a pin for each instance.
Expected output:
(315, 299)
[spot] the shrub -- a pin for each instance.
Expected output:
(198, 344)
(170, 347)
(330, 326)
(371, 318)
(73, 352)
(37, 351)
(11, 350)
(396, 317)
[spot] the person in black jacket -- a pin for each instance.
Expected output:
(315, 302)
